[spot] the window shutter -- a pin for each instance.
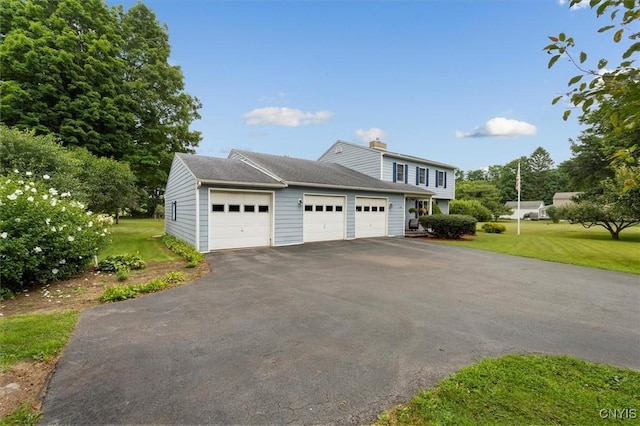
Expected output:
(437, 178)
(406, 173)
(395, 171)
(427, 177)
(445, 179)
(417, 175)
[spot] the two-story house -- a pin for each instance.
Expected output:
(252, 199)
(377, 162)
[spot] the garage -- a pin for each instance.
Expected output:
(239, 219)
(371, 217)
(324, 218)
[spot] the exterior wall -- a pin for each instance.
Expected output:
(357, 158)
(440, 191)
(181, 189)
(443, 204)
(203, 225)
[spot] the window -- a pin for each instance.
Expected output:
(381, 209)
(441, 178)
(399, 173)
(328, 208)
(217, 207)
(249, 208)
(367, 208)
(308, 208)
(422, 176)
(174, 210)
(319, 208)
(263, 209)
(374, 209)
(338, 208)
(234, 207)
(358, 208)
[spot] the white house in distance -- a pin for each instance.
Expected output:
(563, 198)
(535, 210)
(252, 199)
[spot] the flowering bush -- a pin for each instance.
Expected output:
(44, 235)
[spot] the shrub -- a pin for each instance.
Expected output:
(152, 286)
(493, 228)
(118, 292)
(449, 226)
(44, 235)
(123, 292)
(471, 208)
(125, 261)
(435, 209)
(553, 213)
(183, 249)
(173, 277)
(122, 274)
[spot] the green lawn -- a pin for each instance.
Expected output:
(564, 243)
(139, 236)
(34, 337)
(526, 390)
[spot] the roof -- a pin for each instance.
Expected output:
(316, 173)
(564, 195)
(525, 204)
(399, 155)
(225, 170)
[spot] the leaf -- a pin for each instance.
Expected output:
(556, 100)
(635, 47)
(566, 115)
(601, 8)
(606, 28)
(575, 79)
(618, 35)
(583, 57)
(562, 36)
(629, 4)
(553, 60)
(553, 39)
(602, 63)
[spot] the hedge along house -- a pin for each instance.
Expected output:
(251, 200)
(437, 178)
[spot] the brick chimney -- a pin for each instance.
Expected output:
(381, 146)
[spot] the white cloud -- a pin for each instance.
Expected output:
(581, 5)
(501, 127)
(282, 116)
(371, 134)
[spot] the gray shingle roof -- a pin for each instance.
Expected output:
(297, 170)
(226, 170)
(525, 204)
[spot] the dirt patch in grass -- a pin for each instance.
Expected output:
(27, 381)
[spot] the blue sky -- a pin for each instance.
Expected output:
(438, 79)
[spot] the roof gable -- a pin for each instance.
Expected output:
(214, 169)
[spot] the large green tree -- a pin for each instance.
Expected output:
(485, 193)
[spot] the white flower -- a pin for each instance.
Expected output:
(37, 250)
(18, 192)
(30, 198)
(90, 224)
(103, 235)
(28, 173)
(53, 202)
(47, 221)
(12, 197)
(17, 220)
(16, 171)
(54, 270)
(64, 209)
(53, 191)
(46, 177)
(63, 261)
(70, 238)
(33, 190)
(53, 229)
(4, 235)
(79, 228)
(45, 197)
(65, 194)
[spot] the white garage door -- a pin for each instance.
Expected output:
(323, 218)
(371, 217)
(239, 219)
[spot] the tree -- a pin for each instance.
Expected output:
(476, 175)
(540, 164)
(485, 193)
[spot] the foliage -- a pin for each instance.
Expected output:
(563, 243)
(183, 249)
(554, 215)
(125, 261)
(122, 274)
(6, 294)
(470, 207)
(451, 226)
(523, 389)
(614, 91)
(484, 192)
(435, 209)
(44, 234)
(24, 415)
(99, 78)
(493, 228)
(122, 292)
(34, 337)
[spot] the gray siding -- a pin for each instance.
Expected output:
(440, 191)
(288, 217)
(361, 159)
(203, 225)
(181, 188)
(444, 205)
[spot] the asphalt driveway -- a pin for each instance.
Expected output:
(331, 333)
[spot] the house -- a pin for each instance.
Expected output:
(377, 162)
(563, 198)
(534, 210)
(252, 199)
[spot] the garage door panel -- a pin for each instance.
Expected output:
(324, 218)
(239, 219)
(371, 217)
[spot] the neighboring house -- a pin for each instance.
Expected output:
(535, 210)
(377, 162)
(251, 199)
(563, 198)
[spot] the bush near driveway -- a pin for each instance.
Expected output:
(450, 226)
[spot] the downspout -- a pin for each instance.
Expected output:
(198, 184)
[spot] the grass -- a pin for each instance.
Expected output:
(34, 337)
(139, 236)
(24, 415)
(564, 243)
(526, 390)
